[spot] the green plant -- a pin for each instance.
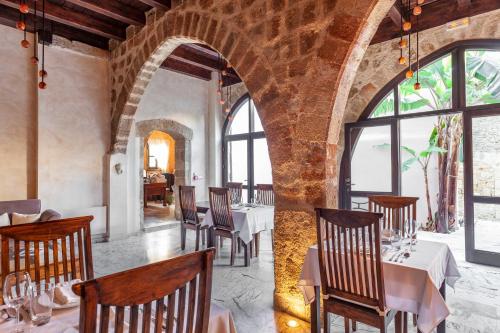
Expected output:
(422, 158)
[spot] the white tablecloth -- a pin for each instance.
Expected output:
(411, 286)
(248, 221)
(66, 321)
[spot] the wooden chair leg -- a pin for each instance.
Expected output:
(251, 249)
(197, 244)
(354, 326)
(233, 250)
(405, 322)
(398, 322)
(347, 324)
(326, 322)
(216, 244)
(256, 239)
(239, 245)
(415, 320)
(203, 236)
(183, 237)
(246, 250)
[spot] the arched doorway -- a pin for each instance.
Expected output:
(182, 136)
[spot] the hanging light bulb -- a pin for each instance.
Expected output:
(227, 109)
(416, 86)
(23, 8)
(42, 85)
(222, 102)
(34, 60)
(21, 25)
(402, 60)
(409, 74)
(25, 43)
(417, 10)
(407, 26)
(42, 73)
(403, 43)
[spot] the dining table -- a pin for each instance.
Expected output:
(248, 219)
(414, 284)
(67, 321)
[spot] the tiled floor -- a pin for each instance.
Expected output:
(157, 216)
(248, 291)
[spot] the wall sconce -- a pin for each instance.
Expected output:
(118, 168)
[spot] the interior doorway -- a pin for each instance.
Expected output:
(165, 163)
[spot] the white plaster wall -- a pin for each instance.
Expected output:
(17, 118)
(74, 132)
(184, 99)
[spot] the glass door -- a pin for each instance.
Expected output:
(372, 165)
(482, 186)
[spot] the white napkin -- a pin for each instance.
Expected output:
(63, 294)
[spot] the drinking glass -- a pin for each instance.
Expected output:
(415, 225)
(396, 239)
(16, 289)
(41, 303)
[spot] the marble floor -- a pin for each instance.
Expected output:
(248, 291)
(157, 216)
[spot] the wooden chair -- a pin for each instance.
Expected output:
(59, 250)
(263, 196)
(397, 212)
(190, 219)
(351, 268)
(236, 191)
(222, 217)
(171, 295)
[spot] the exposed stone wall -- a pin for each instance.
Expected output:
(297, 59)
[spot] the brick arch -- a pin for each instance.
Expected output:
(297, 59)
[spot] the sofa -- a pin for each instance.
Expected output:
(29, 206)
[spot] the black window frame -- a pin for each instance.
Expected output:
(249, 137)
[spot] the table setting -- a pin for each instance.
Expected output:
(54, 308)
(415, 274)
(248, 219)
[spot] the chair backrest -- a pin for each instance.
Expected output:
(236, 191)
(59, 250)
(398, 211)
(220, 208)
(350, 259)
(177, 291)
(187, 200)
(265, 194)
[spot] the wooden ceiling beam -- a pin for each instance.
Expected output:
(395, 15)
(10, 16)
(73, 19)
(434, 14)
(187, 69)
(162, 4)
(463, 4)
(112, 9)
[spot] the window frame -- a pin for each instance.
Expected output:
(249, 137)
(458, 102)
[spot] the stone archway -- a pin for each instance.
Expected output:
(182, 136)
(298, 60)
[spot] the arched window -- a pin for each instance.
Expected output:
(245, 153)
(439, 143)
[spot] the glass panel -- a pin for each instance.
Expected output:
(385, 107)
(482, 77)
(486, 156)
(257, 125)
(371, 159)
(487, 227)
(240, 123)
(261, 162)
(237, 161)
(435, 92)
(359, 203)
(414, 135)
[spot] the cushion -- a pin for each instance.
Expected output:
(24, 218)
(4, 220)
(50, 215)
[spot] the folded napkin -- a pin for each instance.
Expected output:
(63, 293)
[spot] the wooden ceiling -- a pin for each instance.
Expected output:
(95, 22)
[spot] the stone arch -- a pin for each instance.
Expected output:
(182, 136)
(297, 59)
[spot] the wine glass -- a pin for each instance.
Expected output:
(16, 293)
(415, 225)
